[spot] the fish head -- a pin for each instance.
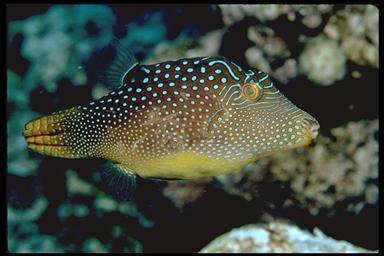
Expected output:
(260, 118)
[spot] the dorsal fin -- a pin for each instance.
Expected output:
(119, 181)
(122, 63)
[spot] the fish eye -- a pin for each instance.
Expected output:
(251, 91)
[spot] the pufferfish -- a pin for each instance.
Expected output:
(179, 119)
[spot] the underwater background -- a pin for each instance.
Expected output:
(324, 58)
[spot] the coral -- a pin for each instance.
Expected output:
(322, 61)
(267, 12)
(57, 45)
(270, 43)
(353, 31)
(312, 20)
(77, 210)
(182, 47)
(352, 27)
(94, 245)
(361, 52)
(183, 193)
(255, 59)
(287, 71)
(75, 185)
(235, 13)
(37, 244)
(143, 36)
(356, 21)
(15, 90)
(208, 45)
(31, 214)
(371, 21)
(21, 224)
(269, 47)
(277, 237)
(19, 161)
(306, 9)
(102, 202)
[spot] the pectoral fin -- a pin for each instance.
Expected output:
(120, 181)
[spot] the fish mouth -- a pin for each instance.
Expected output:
(311, 126)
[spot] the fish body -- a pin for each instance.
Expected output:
(180, 119)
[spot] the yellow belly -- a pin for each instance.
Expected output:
(186, 166)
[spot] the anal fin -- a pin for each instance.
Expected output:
(120, 181)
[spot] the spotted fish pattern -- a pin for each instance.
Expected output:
(182, 119)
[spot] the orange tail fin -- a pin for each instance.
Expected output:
(50, 135)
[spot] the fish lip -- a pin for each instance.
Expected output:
(312, 126)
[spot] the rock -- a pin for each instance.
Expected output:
(277, 237)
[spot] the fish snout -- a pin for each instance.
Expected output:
(312, 126)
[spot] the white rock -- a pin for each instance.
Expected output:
(277, 237)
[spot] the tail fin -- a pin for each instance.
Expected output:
(51, 135)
